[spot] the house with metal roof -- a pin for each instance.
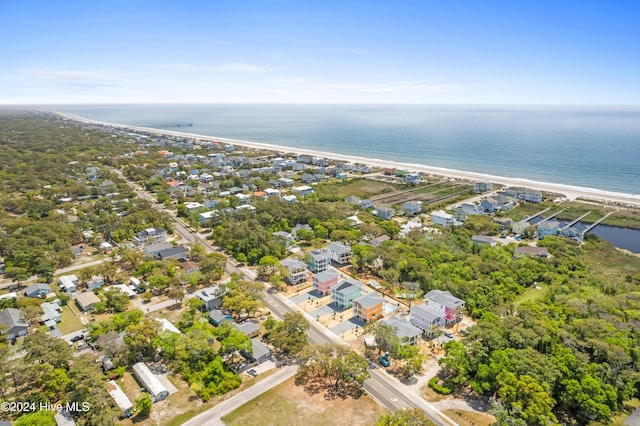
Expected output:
(407, 333)
(445, 302)
(426, 319)
(147, 379)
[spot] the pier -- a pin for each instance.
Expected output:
(530, 218)
(597, 222)
(548, 218)
(569, 225)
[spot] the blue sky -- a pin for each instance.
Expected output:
(483, 52)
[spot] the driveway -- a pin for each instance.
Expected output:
(345, 326)
(314, 295)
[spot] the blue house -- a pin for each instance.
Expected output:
(548, 228)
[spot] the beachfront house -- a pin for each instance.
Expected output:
(339, 253)
(295, 271)
(427, 319)
(497, 203)
(548, 228)
(523, 194)
(440, 217)
(323, 281)
(483, 186)
(368, 307)
(445, 302)
(318, 261)
(345, 292)
(412, 178)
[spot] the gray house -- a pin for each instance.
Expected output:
(211, 297)
(37, 290)
(15, 324)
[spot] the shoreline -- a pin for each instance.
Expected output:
(569, 191)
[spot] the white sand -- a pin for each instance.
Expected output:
(569, 191)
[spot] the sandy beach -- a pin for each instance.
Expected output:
(569, 191)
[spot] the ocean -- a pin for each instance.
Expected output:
(593, 147)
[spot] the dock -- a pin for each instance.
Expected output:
(546, 219)
(597, 222)
(575, 221)
(530, 218)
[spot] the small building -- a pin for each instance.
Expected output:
(354, 221)
(211, 297)
(120, 398)
(440, 217)
(135, 284)
(260, 351)
(323, 281)
(303, 190)
(483, 240)
(407, 333)
(217, 317)
(207, 216)
(95, 282)
(339, 253)
(426, 319)
(548, 228)
(319, 261)
(39, 290)
(68, 283)
(248, 328)
(147, 379)
(345, 292)
(86, 300)
(368, 307)
(295, 271)
(14, 323)
(51, 312)
(290, 199)
(285, 238)
(123, 288)
(504, 223)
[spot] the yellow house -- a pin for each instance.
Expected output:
(368, 307)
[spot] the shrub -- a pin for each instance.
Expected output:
(434, 384)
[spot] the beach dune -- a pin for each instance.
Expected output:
(569, 191)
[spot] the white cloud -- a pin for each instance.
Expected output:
(230, 67)
(396, 86)
(69, 75)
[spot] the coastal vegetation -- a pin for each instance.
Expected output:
(556, 338)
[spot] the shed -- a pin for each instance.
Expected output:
(147, 379)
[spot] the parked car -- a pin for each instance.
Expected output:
(448, 334)
(252, 372)
(76, 338)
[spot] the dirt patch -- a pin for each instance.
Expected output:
(470, 418)
(288, 404)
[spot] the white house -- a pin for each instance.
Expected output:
(339, 253)
(147, 379)
(302, 190)
(440, 217)
(68, 283)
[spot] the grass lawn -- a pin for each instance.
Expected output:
(70, 321)
(532, 294)
(288, 404)
(363, 188)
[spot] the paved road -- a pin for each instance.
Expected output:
(388, 391)
(212, 417)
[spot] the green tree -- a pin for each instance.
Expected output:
(404, 417)
(144, 404)
(116, 299)
(290, 335)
